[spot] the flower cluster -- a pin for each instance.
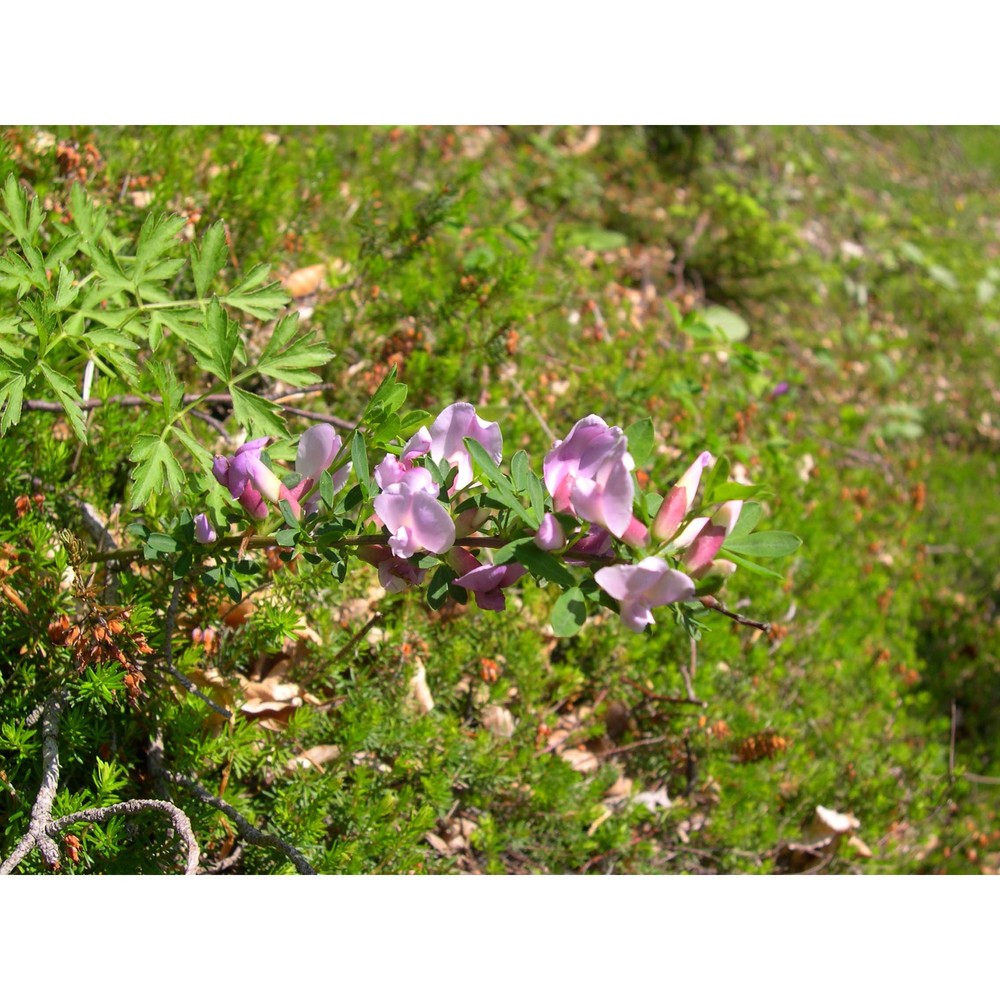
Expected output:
(426, 502)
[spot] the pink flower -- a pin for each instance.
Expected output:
(447, 433)
(597, 542)
(392, 470)
(244, 475)
(486, 582)
(710, 536)
(415, 519)
(639, 589)
(679, 500)
(589, 475)
(318, 447)
(394, 574)
(550, 534)
(203, 530)
(251, 482)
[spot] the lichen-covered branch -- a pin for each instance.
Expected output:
(41, 811)
(129, 808)
(252, 834)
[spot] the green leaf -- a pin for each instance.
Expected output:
(157, 235)
(491, 474)
(259, 416)
(596, 239)
(155, 466)
(536, 494)
(12, 385)
(737, 491)
(541, 564)
(254, 297)
(764, 544)
(208, 259)
(290, 355)
(749, 516)
(158, 542)
(201, 454)
(359, 456)
(222, 336)
(519, 471)
(68, 396)
(750, 567)
(87, 217)
(640, 437)
(437, 589)
(732, 326)
(569, 613)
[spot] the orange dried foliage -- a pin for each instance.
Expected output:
(763, 745)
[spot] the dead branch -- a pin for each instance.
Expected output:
(41, 811)
(177, 818)
(252, 834)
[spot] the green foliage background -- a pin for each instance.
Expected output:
(685, 275)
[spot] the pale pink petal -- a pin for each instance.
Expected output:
(317, 449)
(703, 549)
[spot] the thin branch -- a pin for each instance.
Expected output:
(198, 693)
(714, 605)
(979, 779)
(252, 834)
(177, 818)
(691, 700)
(687, 675)
(48, 406)
(531, 406)
(358, 636)
(41, 811)
(652, 741)
(951, 744)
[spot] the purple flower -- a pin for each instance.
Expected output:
(486, 582)
(455, 423)
(243, 475)
(639, 589)
(597, 542)
(680, 499)
(588, 474)
(550, 534)
(415, 519)
(394, 574)
(251, 482)
(203, 530)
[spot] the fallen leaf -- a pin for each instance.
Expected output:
(498, 721)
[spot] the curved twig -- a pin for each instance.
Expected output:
(252, 834)
(41, 811)
(177, 818)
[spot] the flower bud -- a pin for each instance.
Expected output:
(680, 499)
(550, 534)
(203, 530)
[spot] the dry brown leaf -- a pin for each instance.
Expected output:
(314, 757)
(305, 281)
(419, 698)
(498, 721)
(236, 615)
(437, 843)
(580, 759)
